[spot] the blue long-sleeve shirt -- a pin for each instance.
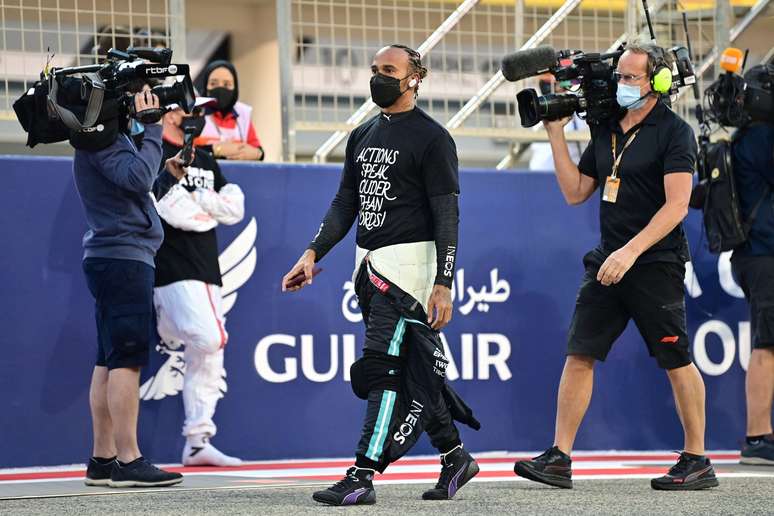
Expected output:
(754, 170)
(114, 185)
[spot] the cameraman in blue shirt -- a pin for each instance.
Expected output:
(114, 185)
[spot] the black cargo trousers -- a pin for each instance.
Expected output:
(402, 375)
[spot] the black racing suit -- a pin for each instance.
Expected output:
(400, 181)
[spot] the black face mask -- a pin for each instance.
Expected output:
(224, 97)
(193, 125)
(385, 90)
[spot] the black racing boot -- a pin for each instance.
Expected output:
(689, 474)
(356, 488)
(457, 469)
(552, 467)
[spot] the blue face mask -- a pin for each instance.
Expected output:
(628, 96)
(136, 128)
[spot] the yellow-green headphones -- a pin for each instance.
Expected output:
(661, 76)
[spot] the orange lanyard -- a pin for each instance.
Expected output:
(617, 160)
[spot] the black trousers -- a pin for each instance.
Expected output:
(403, 371)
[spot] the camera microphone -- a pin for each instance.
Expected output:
(528, 63)
(731, 60)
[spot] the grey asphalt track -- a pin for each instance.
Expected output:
(631, 496)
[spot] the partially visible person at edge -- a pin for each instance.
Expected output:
(229, 131)
(753, 266)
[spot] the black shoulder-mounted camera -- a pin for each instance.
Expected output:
(593, 91)
(90, 105)
(735, 100)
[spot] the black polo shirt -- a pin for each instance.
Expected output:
(664, 145)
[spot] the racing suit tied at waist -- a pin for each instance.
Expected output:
(411, 267)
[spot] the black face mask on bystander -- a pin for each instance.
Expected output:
(224, 97)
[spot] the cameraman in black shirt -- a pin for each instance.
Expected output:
(400, 182)
(643, 163)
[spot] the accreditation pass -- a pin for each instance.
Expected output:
(610, 193)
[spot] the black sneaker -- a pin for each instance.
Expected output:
(552, 467)
(457, 469)
(687, 475)
(141, 473)
(98, 473)
(759, 453)
(356, 488)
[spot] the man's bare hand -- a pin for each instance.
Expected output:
(304, 264)
(439, 307)
(175, 166)
(616, 265)
(145, 100)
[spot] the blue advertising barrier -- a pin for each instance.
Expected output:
(288, 355)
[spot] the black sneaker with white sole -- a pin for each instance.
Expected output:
(356, 488)
(98, 471)
(141, 473)
(457, 469)
(689, 474)
(758, 452)
(552, 467)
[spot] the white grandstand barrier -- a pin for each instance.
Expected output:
(336, 41)
(735, 32)
(498, 79)
(358, 116)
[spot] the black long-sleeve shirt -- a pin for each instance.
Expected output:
(401, 182)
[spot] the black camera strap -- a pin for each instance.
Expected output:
(754, 213)
(93, 108)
